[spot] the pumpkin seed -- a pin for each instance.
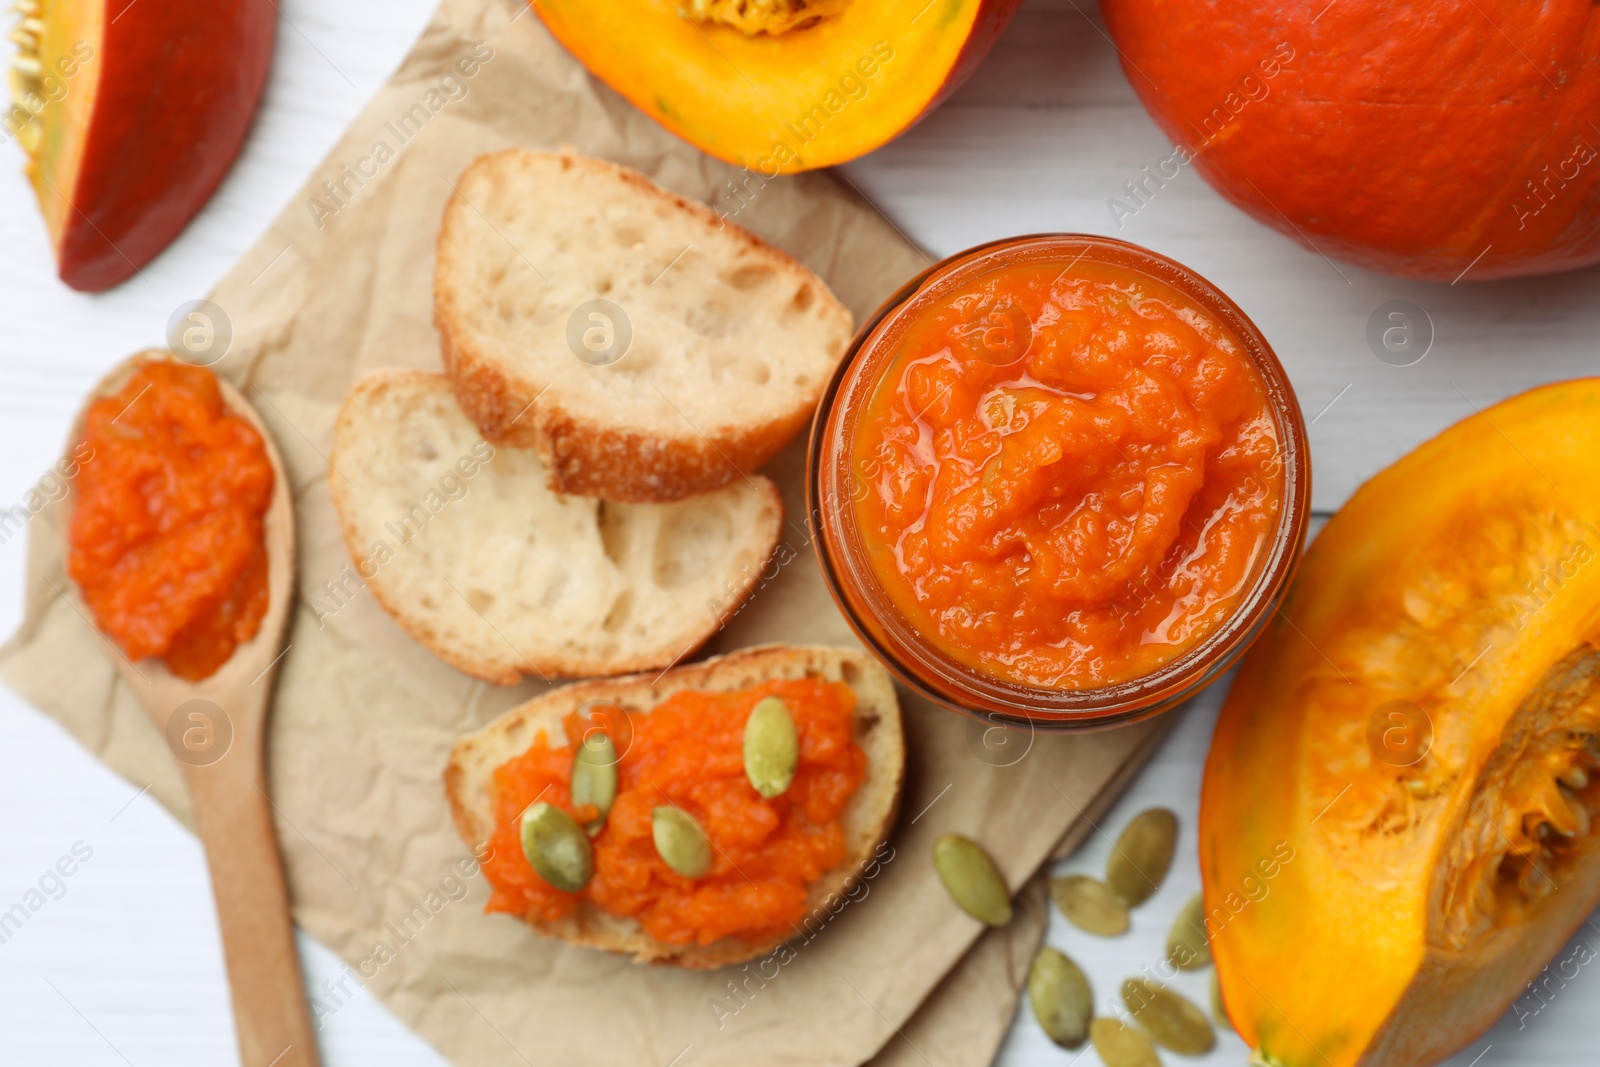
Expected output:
(972, 880)
(30, 136)
(26, 64)
(1219, 1014)
(1188, 947)
(1577, 809)
(594, 777)
(771, 747)
(557, 847)
(1122, 1046)
(1089, 904)
(21, 85)
(1575, 778)
(1142, 855)
(1170, 1019)
(1060, 996)
(680, 841)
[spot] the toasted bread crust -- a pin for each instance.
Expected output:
(492, 670)
(590, 457)
(468, 779)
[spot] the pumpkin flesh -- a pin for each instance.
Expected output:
(846, 79)
(1459, 588)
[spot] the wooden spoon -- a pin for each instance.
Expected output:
(217, 730)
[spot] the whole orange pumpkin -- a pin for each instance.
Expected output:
(1435, 139)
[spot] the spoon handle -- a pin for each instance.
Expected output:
(234, 820)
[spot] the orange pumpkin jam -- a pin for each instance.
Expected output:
(166, 534)
(689, 751)
(1067, 474)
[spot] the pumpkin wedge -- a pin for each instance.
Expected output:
(1395, 824)
(131, 112)
(779, 86)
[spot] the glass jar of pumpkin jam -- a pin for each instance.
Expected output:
(1059, 480)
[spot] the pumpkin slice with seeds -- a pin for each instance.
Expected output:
(1395, 826)
(130, 115)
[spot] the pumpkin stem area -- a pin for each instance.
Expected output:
(752, 17)
(1531, 813)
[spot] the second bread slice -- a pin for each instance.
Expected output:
(472, 553)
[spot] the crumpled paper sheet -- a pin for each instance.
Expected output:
(364, 718)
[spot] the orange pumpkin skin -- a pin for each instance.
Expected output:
(1395, 822)
(1423, 139)
(138, 111)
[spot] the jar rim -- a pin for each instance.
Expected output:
(953, 684)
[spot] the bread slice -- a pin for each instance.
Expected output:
(731, 341)
(868, 817)
(467, 547)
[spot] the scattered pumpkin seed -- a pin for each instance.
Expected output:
(1122, 1046)
(972, 880)
(1061, 999)
(1188, 947)
(557, 848)
(594, 776)
(1219, 1014)
(680, 841)
(1089, 904)
(1142, 856)
(1170, 1019)
(771, 747)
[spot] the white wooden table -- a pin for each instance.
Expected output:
(123, 966)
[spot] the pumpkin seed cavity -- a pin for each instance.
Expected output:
(771, 747)
(1142, 856)
(1089, 904)
(1188, 947)
(1061, 999)
(972, 880)
(1171, 1020)
(751, 17)
(594, 777)
(23, 78)
(557, 847)
(1122, 1046)
(680, 840)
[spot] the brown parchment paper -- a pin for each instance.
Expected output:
(363, 717)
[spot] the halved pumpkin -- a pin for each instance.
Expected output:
(131, 112)
(1395, 824)
(780, 86)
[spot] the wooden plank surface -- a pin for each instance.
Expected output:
(121, 964)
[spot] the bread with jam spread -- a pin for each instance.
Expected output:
(866, 818)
